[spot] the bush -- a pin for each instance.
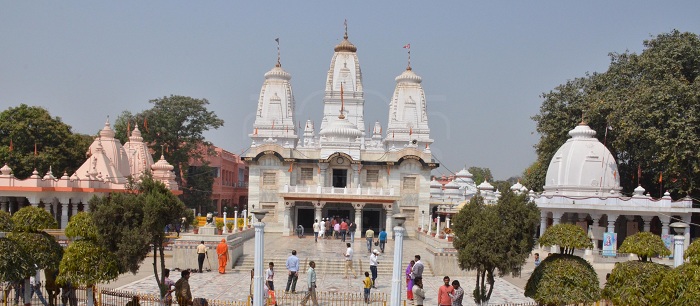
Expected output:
(632, 283)
(562, 280)
(680, 287)
(567, 236)
(33, 219)
(645, 245)
(692, 254)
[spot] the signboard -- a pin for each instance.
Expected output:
(668, 242)
(609, 244)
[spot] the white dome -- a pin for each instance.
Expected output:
(278, 73)
(516, 187)
(582, 167)
(408, 76)
(341, 128)
(485, 185)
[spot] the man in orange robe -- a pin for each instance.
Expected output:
(222, 251)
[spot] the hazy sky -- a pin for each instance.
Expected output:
(484, 66)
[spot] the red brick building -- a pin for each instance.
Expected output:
(230, 187)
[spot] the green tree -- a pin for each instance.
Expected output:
(25, 127)
(633, 282)
(490, 237)
(5, 221)
(567, 236)
(480, 174)
(14, 262)
(681, 286)
(563, 279)
(200, 181)
(86, 262)
(650, 100)
(645, 245)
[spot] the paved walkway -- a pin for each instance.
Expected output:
(235, 285)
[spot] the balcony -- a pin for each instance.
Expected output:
(330, 193)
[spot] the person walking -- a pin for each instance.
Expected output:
(183, 294)
(316, 228)
(322, 228)
(443, 297)
(382, 240)
(373, 263)
(348, 261)
(311, 281)
(222, 252)
(336, 230)
(343, 230)
(369, 234)
(367, 282)
(201, 253)
(417, 270)
(457, 293)
(352, 228)
(409, 281)
(418, 293)
(169, 284)
(270, 276)
(292, 265)
(35, 287)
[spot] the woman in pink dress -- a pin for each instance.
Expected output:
(409, 281)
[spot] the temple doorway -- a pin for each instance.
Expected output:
(371, 219)
(305, 218)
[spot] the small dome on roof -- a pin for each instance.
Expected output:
(278, 73)
(341, 128)
(107, 131)
(516, 187)
(6, 170)
(345, 45)
(639, 191)
(485, 186)
(408, 76)
(464, 173)
(435, 184)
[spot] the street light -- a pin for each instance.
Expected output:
(258, 295)
(398, 255)
(678, 241)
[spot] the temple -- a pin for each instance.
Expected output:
(344, 169)
(106, 170)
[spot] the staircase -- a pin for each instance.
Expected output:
(245, 263)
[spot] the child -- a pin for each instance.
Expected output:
(368, 286)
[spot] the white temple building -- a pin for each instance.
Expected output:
(106, 170)
(343, 169)
(583, 187)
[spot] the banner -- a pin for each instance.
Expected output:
(668, 242)
(610, 244)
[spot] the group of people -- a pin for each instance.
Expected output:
(334, 227)
(67, 290)
(221, 253)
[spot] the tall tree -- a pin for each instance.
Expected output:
(650, 101)
(480, 174)
(490, 237)
(175, 127)
(31, 138)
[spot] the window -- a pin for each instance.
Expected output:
(269, 178)
(372, 176)
(307, 174)
(409, 183)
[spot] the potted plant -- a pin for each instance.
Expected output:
(250, 218)
(239, 223)
(433, 231)
(229, 226)
(448, 234)
(195, 225)
(220, 226)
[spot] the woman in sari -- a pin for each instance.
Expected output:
(409, 281)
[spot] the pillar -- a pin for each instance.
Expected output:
(324, 170)
(678, 249)
(686, 234)
(355, 175)
(4, 204)
(358, 219)
(74, 209)
(422, 220)
(543, 222)
(665, 221)
(397, 272)
(596, 220)
(258, 278)
(647, 223)
(225, 230)
(389, 215)
(235, 221)
(447, 222)
(437, 227)
(318, 211)
(244, 214)
(556, 219)
(611, 223)
(288, 224)
(64, 214)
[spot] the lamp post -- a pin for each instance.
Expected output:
(422, 220)
(244, 215)
(678, 241)
(258, 295)
(224, 228)
(235, 221)
(398, 254)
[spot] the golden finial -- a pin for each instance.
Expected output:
(583, 120)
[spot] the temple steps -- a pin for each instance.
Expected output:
(323, 265)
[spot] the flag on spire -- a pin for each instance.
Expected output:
(145, 124)
(128, 128)
(407, 46)
(410, 131)
(291, 167)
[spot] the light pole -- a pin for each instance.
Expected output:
(224, 229)
(422, 220)
(678, 241)
(235, 221)
(258, 295)
(244, 214)
(398, 254)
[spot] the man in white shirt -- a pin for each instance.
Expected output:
(417, 270)
(35, 283)
(348, 261)
(317, 228)
(322, 228)
(373, 263)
